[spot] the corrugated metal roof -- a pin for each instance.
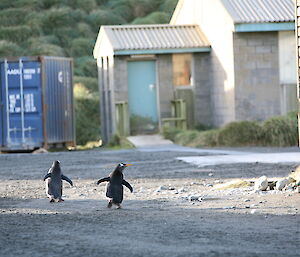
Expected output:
(144, 37)
(260, 11)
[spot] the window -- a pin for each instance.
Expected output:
(182, 69)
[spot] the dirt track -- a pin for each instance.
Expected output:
(226, 223)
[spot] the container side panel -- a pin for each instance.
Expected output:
(59, 100)
(1, 106)
(21, 115)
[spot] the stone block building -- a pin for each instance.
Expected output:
(241, 65)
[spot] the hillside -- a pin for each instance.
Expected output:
(69, 28)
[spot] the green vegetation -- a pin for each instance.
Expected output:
(69, 28)
(277, 131)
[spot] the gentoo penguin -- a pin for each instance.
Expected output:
(114, 189)
(54, 182)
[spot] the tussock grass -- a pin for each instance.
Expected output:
(237, 183)
(277, 131)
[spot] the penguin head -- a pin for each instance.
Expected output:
(121, 166)
(56, 165)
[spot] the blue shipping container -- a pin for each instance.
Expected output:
(36, 103)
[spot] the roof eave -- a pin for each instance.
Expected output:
(163, 51)
(266, 26)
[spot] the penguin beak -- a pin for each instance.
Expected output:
(128, 164)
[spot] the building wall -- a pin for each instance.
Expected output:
(165, 84)
(288, 70)
(257, 87)
(120, 79)
(202, 89)
(217, 26)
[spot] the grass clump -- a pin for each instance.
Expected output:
(240, 133)
(280, 131)
(277, 131)
(170, 133)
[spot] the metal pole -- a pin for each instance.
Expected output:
(22, 100)
(7, 101)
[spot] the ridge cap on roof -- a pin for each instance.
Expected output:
(149, 26)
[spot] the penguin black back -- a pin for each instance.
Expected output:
(54, 179)
(114, 189)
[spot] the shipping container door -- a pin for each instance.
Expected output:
(22, 107)
(58, 100)
(142, 97)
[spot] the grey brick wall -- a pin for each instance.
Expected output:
(202, 88)
(120, 78)
(257, 85)
(165, 84)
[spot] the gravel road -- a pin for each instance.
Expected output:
(156, 220)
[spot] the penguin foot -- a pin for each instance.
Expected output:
(61, 200)
(119, 206)
(52, 200)
(109, 205)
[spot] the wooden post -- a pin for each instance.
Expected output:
(297, 33)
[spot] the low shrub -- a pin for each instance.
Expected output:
(104, 17)
(87, 115)
(207, 138)
(9, 49)
(17, 34)
(85, 66)
(38, 48)
(277, 131)
(82, 47)
(170, 133)
(12, 16)
(153, 18)
(91, 84)
(187, 137)
(280, 131)
(240, 133)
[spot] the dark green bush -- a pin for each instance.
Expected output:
(104, 17)
(153, 18)
(170, 133)
(168, 6)
(91, 84)
(65, 37)
(123, 10)
(86, 66)
(186, 137)
(17, 34)
(12, 16)
(9, 49)
(240, 133)
(87, 115)
(86, 5)
(56, 18)
(144, 7)
(207, 138)
(45, 49)
(85, 30)
(280, 131)
(82, 47)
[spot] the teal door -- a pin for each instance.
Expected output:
(142, 96)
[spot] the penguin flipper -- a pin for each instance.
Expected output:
(125, 183)
(107, 179)
(48, 175)
(67, 179)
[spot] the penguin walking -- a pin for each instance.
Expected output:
(53, 180)
(114, 189)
